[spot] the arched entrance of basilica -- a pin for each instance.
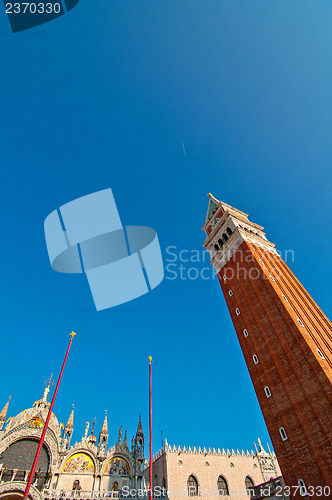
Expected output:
(17, 461)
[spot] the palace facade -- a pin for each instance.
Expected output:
(213, 473)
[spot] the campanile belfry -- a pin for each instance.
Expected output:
(287, 343)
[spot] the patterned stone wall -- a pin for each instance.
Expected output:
(173, 466)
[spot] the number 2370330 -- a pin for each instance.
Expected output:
(33, 8)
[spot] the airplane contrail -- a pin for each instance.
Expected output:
(184, 151)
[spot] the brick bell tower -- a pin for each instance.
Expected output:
(287, 344)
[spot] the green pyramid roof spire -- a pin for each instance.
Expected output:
(213, 203)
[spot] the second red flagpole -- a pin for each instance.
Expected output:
(150, 429)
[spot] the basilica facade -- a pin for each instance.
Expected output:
(87, 466)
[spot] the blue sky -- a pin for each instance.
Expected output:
(104, 97)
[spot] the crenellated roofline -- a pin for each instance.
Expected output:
(207, 451)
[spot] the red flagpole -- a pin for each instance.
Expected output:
(150, 425)
(34, 465)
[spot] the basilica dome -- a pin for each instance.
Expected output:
(35, 416)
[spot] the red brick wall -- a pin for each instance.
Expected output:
(299, 380)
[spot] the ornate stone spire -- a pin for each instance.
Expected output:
(42, 403)
(86, 430)
(124, 445)
(92, 438)
(139, 440)
(120, 435)
(70, 423)
(139, 432)
(68, 432)
(104, 429)
(260, 450)
(4, 413)
(266, 461)
(103, 436)
(125, 442)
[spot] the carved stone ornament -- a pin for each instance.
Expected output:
(19, 486)
(215, 222)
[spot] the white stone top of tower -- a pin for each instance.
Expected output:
(227, 228)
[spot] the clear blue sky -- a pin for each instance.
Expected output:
(104, 97)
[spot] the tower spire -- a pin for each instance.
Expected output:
(213, 203)
(68, 431)
(139, 432)
(138, 442)
(4, 413)
(103, 436)
(70, 423)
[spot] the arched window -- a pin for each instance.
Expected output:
(222, 486)
(267, 391)
(20, 455)
(216, 248)
(220, 241)
(303, 489)
(224, 235)
(320, 354)
(76, 485)
(229, 231)
(192, 486)
(283, 434)
(249, 486)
